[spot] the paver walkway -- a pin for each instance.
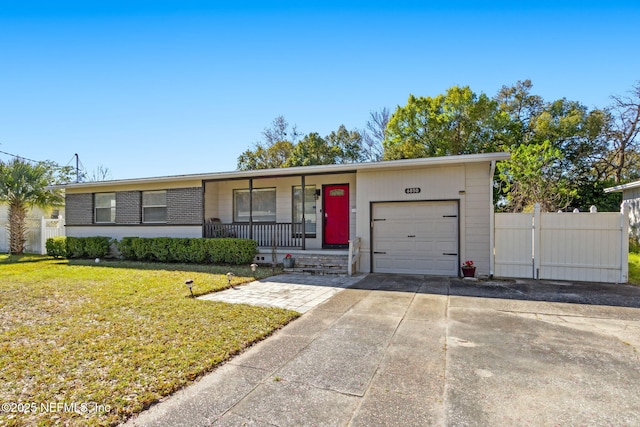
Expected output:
(299, 292)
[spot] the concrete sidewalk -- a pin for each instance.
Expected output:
(414, 351)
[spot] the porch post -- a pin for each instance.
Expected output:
(250, 208)
(304, 225)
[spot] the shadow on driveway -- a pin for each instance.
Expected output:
(591, 293)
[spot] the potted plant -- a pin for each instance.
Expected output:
(468, 269)
(288, 261)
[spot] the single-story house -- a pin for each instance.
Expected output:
(630, 195)
(415, 216)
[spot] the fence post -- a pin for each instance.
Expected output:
(624, 247)
(43, 236)
(535, 241)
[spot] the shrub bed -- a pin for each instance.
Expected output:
(189, 250)
(57, 247)
(78, 247)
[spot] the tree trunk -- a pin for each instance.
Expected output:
(17, 227)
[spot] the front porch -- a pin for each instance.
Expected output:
(268, 235)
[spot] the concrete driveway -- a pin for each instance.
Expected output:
(416, 351)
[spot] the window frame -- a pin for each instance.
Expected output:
(310, 190)
(253, 208)
(143, 207)
(112, 208)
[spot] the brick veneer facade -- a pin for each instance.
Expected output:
(79, 209)
(184, 207)
(128, 207)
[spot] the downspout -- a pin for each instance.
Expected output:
(492, 232)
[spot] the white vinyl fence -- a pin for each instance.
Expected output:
(38, 231)
(563, 246)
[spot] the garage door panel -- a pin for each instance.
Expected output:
(416, 238)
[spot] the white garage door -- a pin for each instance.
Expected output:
(416, 238)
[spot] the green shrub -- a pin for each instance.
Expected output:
(57, 246)
(189, 250)
(96, 247)
(75, 247)
(88, 247)
(125, 247)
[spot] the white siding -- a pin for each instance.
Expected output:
(468, 184)
(477, 216)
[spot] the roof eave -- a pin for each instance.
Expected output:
(301, 170)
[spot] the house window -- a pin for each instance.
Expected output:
(104, 207)
(264, 205)
(154, 206)
(309, 210)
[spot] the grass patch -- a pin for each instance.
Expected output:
(634, 268)
(117, 334)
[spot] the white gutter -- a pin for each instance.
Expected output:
(492, 232)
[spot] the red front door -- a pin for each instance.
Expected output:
(335, 202)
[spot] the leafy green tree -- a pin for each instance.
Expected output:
(313, 150)
(24, 185)
(341, 146)
(347, 145)
(534, 175)
(273, 150)
(261, 157)
(458, 122)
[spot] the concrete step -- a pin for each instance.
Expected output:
(318, 271)
(320, 264)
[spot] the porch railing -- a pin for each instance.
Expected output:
(279, 234)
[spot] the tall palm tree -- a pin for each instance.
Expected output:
(24, 185)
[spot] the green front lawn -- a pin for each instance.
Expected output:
(109, 339)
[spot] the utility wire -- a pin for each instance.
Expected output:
(20, 157)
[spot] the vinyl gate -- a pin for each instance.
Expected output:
(38, 231)
(563, 246)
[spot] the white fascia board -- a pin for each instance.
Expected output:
(302, 170)
(620, 188)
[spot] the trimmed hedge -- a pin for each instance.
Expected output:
(189, 250)
(78, 247)
(57, 247)
(88, 247)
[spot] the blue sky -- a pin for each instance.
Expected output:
(153, 88)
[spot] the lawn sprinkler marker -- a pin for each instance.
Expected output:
(189, 284)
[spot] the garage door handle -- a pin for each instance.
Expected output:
(413, 235)
(383, 253)
(445, 253)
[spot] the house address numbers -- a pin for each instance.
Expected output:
(412, 190)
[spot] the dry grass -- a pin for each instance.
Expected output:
(119, 335)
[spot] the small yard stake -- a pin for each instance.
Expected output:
(189, 284)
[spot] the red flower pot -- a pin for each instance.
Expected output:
(468, 271)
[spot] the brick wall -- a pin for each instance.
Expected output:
(184, 206)
(128, 207)
(79, 209)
